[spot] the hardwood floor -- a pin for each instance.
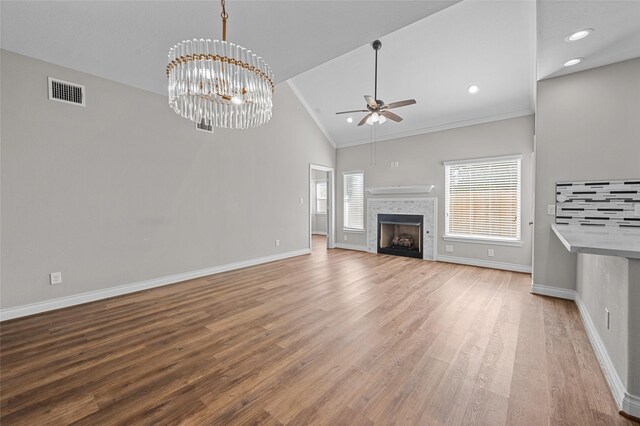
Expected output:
(337, 337)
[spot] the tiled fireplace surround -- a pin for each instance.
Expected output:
(427, 207)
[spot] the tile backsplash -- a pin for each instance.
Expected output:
(598, 203)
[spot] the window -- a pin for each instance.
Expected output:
(321, 197)
(482, 199)
(353, 201)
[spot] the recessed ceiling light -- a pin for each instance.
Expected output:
(572, 62)
(349, 120)
(579, 34)
(473, 89)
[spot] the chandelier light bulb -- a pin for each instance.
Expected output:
(382, 119)
(374, 117)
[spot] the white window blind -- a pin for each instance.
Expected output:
(321, 197)
(482, 198)
(353, 200)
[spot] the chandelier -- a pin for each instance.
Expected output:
(219, 83)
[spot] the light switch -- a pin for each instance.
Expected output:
(551, 209)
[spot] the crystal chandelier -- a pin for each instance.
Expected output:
(219, 83)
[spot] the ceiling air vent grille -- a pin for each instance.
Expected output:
(204, 127)
(63, 91)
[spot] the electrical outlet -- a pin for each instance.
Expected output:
(397, 164)
(636, 210)
(55, 278)
(551, 209)
(448, 248)
(607, 318)
(277, 243)
(392, 164)
(301, 200)
(490, 252)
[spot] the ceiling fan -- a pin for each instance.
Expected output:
(377, 109)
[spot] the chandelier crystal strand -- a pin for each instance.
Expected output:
(220, 83)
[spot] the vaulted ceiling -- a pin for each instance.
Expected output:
(432, 50)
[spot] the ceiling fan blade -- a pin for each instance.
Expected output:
(370, 101)
(401, 103)
(355, 110)
(391, 116)
(364, 120)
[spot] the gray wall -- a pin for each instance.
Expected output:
(587, 127)
(603, 282)
(125, 190)
(420, 161)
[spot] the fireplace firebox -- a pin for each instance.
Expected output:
(400, 235)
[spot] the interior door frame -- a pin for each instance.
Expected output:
(331, 211)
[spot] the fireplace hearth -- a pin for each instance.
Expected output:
(400, 235)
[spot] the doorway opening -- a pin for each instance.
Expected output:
(321, 205)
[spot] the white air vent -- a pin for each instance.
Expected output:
(63, 91)
(204, 127)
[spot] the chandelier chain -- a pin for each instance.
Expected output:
(224, 16)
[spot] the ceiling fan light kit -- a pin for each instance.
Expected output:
(378, 111)
(218, 83)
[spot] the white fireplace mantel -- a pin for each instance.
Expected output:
(425, 206)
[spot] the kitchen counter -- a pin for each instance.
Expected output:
(623, 242)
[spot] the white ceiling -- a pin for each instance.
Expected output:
(432, 50)
(488, 43)
(128, 41)
(616, 36)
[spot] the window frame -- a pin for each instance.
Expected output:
(344, 202)
(318, 183)
(484, 239)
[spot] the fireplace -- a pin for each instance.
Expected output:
(400, 235)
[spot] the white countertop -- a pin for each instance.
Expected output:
(623, 242)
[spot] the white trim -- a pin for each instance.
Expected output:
(439, 128)
(414, 189)
(306, 106)
(485, 263)
(559, 292)
(374, 199)
(352, 247)
(610, 373)
(631, 404)
(77, 299)
(483, 160)
(353, 231)
(318, 233)
(331, 202)
(487, 241)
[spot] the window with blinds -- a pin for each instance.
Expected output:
(482, 198)
(321, 197)
(353, 200)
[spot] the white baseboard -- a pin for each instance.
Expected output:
(77, 299)
(631, 405)
(485, 263)
(626, 402)
(352, 247)
(559, 292)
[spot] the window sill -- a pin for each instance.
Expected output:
(353, 231)
(323, 214)
(488, 241)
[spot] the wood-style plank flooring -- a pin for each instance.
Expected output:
(336, 337)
